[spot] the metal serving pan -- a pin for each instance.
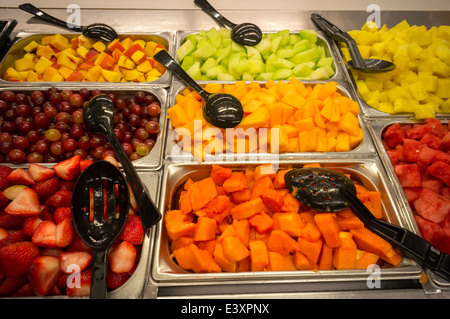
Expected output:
(174, 153)
(376, 128)
(151, 161)
(166, 273)
(22, 39)
(322, 41)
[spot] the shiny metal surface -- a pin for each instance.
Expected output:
(165, 272)
(154, 159)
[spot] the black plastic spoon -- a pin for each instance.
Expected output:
(220, 109)
(357, 62)
(97, 228)
(329, 191)
(244, 33)
(98, 117)
(97, 31)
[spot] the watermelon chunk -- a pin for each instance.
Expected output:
(437, 128)
(426, 154)
(430, 231)
(443, 157)
(445, 144)
(431, 141)
(432, 206)
(393, 156)
(394, 135)
(434, 184)
(446, 192)
(411, 150)
(416, 132)
(408, 175)
(441, 171)
(412, 193)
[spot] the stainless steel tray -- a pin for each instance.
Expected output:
(322, 40)
(369, 171)
(23, 38)
(376, 128)
(154, 159)
(175, 154)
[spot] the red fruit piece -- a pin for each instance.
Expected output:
(65, 233)
(122, 257)
(411, 150)
(432, 141)
(432, 206)
(40, 173)
(416, 132)
(60, 199)
(12, 238)
(115, 280)
(20, 176)
(74, 261)
(133, 231)
(10, 221)
(26, 203)
(47, 188)
(3, 200)
(25, 291)
(30, 225)
(78, 245)
(68, 169)
(45, 234)
(62, 213)
(408, 175)
(66, 185)
(3, 233)
(43, 274)
(437, 128)
(84, 164)
(441, 171)
(4, 172)
(393, 135)
(430, 231)
(81, 288)
(15, 259)
(10, 285)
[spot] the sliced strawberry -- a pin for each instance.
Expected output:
(19, 176)
(4, 172)
(81, 288)
(115, 280)
(26, 203)
(74, 261)
(12, 191)
(84, 164)
(11, 285)
(15, 259)
(51, 252)
(10, 221)
(68, 169)
(111, 159)
(65, 233)
(40, 173)
(45, 235)
(25, 291)
(47, 188)
(133, 231)
(3, 233)
(45, 213)
(12, 238)
(67, 185)
(3, 200)
(60, 199)
(78, 245)
(43, 274)
(30, 225)
(122, 257)
(62, 213)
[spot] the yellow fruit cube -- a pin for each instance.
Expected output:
(81, 51)
(85, 41)
(342, 142)
(12, 74)
(307, 140)
(31, 46)
(65, 71)
(111, 76)
(126, 43)
(56, 77)
(47, 39)
(45, 51)
(138, 57)
(417, 91)
(144, 67)
(443, 88)
(99, 46)
(132, 75)
(24, 64)
(32, 76)
(59, 42)
(68, 60)
(150, 48)
(94, 73)
(48, 73)
(125, 62)
(42, 64)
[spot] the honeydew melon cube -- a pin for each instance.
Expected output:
(293, 39)
(237, 47)
(286, 53)
(265, 76)
(282, 74)
(187, 47)
(269, 63)
(264, 46)
(205, 49)
(214, 36)
(253, 53)
(247, 77)
(208, 64)
(224, 52)
(284, 37)
(276, 41)
(255, 66)
(309, 35)
(302, 45)
(224, 33)
(328, 61)
(187, 62)
(283, 64)
(302, 70)
(305, 56)
(243, 66)
(194, 71)
(225, 77)
(214, 71)
(322, 73)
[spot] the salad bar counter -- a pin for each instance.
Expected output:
(231, 225)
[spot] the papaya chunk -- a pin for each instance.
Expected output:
(329, 228)
(259, 255)
(179, 224)
(281, 243)
(236, 182)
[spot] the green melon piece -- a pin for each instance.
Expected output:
(205, 49)
(194, 71)
(325, 61)
(208, 64)
(305, 56)
(264, 46)
(225, 77)
(214, 36)
(309, 35)
(302, 70)
(265, 76)
(214, 71)
(320, 74)
(184, 49)
(282, 74)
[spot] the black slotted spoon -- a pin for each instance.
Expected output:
(329, 191)
(97, 31)
(100, 228)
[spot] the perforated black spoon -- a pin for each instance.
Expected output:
(220, 109)
(357, 62)
(244, 33)
(329, 191)
(101, 227)
(97, 31)
(98, 116)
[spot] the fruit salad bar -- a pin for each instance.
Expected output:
(230, 224)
